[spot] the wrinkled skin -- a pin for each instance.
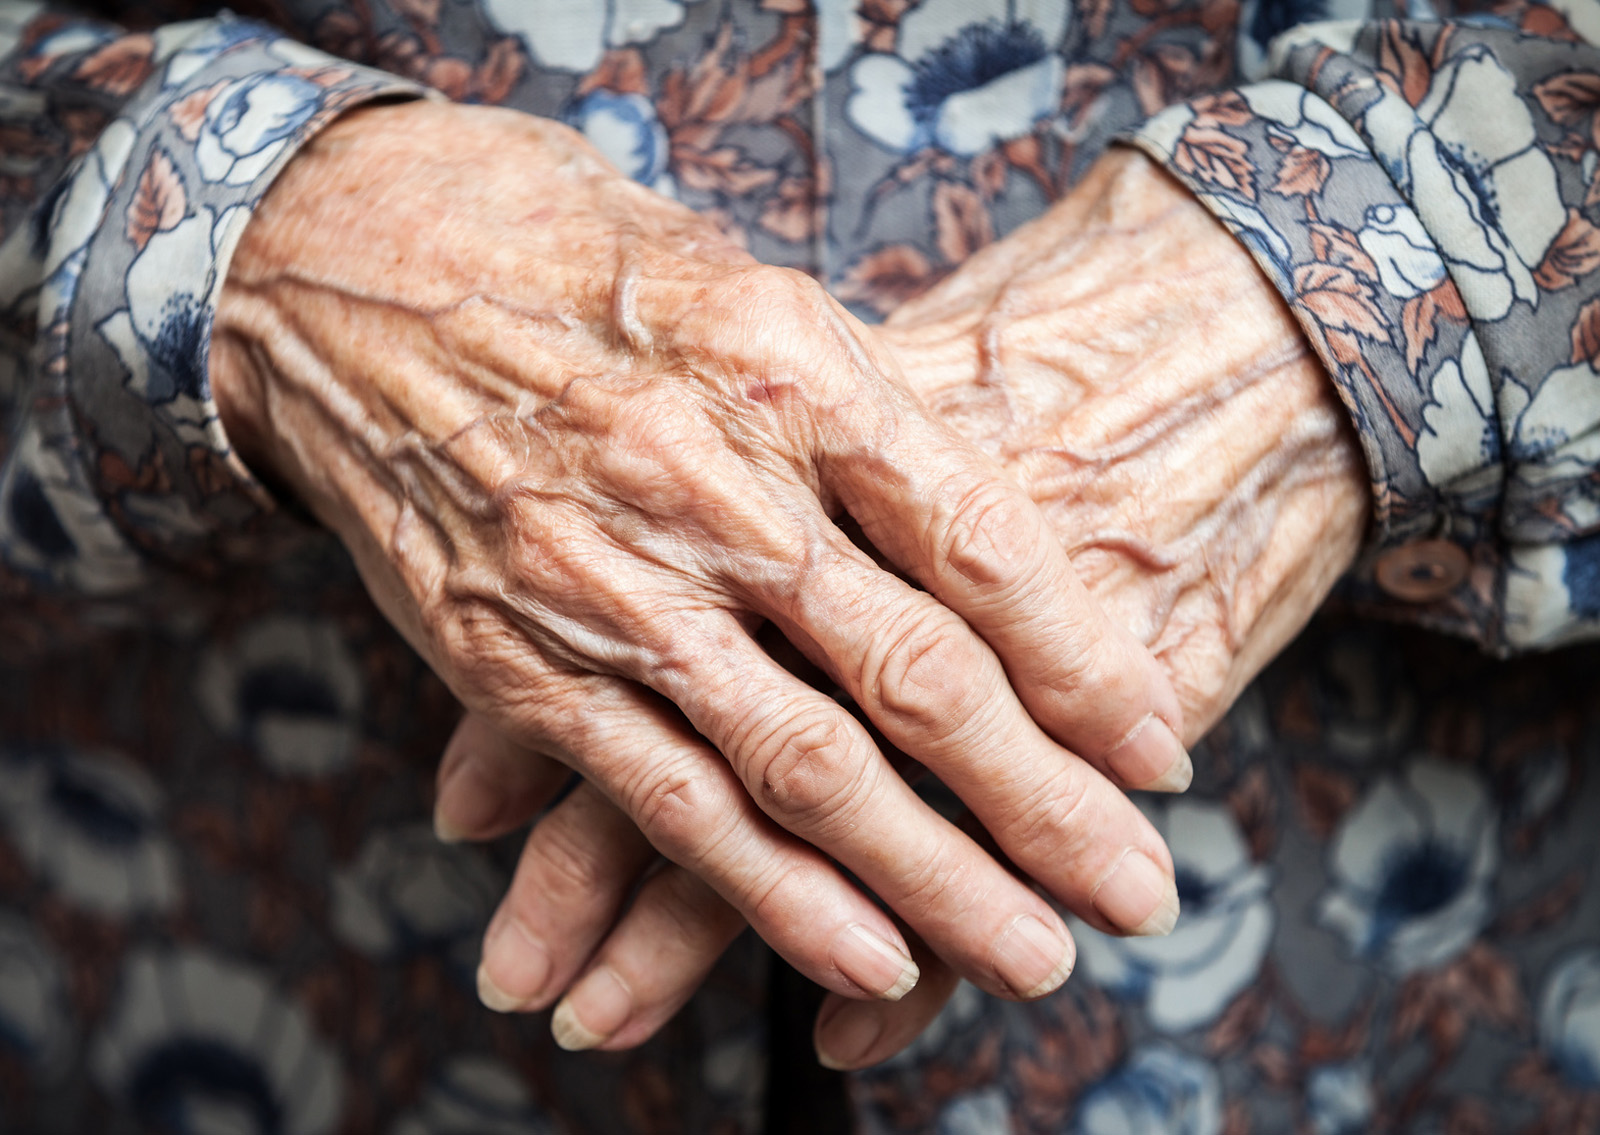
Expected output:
(1130, 366)
(579, 447)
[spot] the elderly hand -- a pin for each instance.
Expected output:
(579, 445)
(1131, 367)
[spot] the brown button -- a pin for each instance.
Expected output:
(1424, 571)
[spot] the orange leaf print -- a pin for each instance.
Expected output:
(619, 70)
(1402, 66)
(1575, 252)
(724, 170)
(1570, 97)
(120, 66)
(1334, 244)
(886, 278)
(1302, 173)
(159, 201)
(500, 70)
(1340, 301)
(1216, 158)
(1419, 320)
(791, 213)
(1225, 109)
(1586, 335)
(961, 223)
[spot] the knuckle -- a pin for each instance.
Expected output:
(932, 680)
(676, 810)
(808, 768)
(991, 538)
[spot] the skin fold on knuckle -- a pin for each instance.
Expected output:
(932, 681)
(808, 769)
(678, 809)
(990, 539)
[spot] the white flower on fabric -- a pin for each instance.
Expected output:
(1569, 1019)
(251, 122)
(406, 892)
(1305, 118)
(1187, 978)
(1478, 178)
(35, 1013)
(52, 523)
(1340, 1100)
(1413, 868)
(1408, 264)
(838, 32)
(1459, 447)
(624, 128)
(475, 1095)
(959, 82)
(1566, 408)
(573, 37)
(978, 1113)
(207, 1046)
(1159, 1091)
(89, 824)
(80, 210)
(291, 688)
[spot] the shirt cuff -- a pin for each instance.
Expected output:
(139, 247)
(1300, 188)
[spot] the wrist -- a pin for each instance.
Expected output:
(1128, 361)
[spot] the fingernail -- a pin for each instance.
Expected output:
(475, 800)
(493, 997)
(1138, 897)
(874, 963)
(1032, 959)
(844, 1041)
(1152, 759)
(520, 963)
(592, 1011)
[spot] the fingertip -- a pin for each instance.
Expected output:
(845, 1038)
(1138, 897)
(1151, 758)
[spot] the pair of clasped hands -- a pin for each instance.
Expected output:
(583, 449)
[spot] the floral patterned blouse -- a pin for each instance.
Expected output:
(221, 906)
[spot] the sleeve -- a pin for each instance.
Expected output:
(129, 165)
(1424, 195)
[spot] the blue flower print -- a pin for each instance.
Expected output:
(198, 1044)
(90, 824)
(1159, 1091)
(289, 687)
(961, 84)
(1413, 866)
(1187, 978)
(624, 128)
